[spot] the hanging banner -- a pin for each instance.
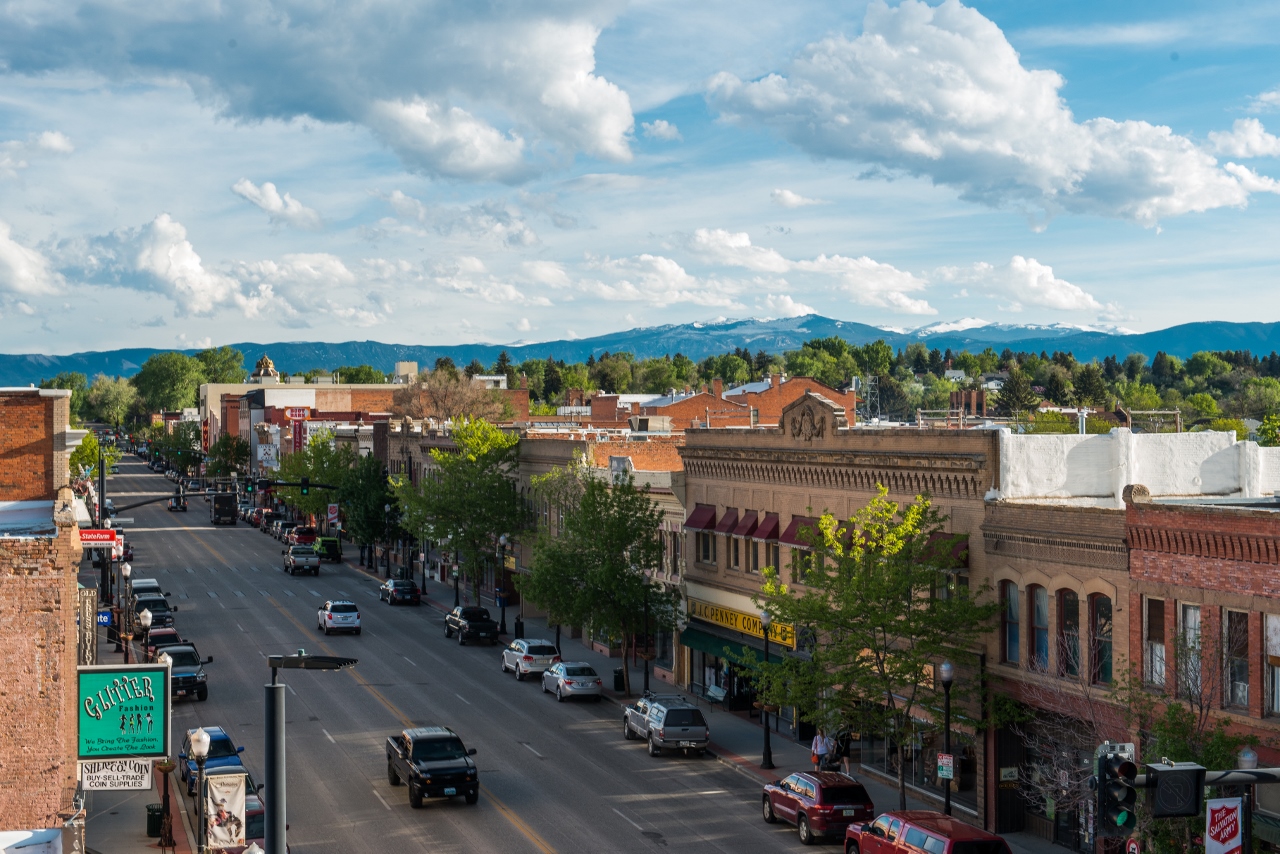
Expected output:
(224, 807)
(332, 515)
(113, 775)
(87, 626)
(1222, 831)
(123, 711)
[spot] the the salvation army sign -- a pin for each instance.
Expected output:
(1222, 826)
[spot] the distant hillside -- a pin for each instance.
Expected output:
(695, 340)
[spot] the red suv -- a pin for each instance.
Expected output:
(920, 832)
(820, 803)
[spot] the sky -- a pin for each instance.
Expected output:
(197, 172)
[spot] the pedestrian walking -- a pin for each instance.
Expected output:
(819, 749)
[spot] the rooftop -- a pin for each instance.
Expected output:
(27, 519)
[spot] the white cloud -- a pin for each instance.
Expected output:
(782, 305)
(24, 271)
(657, 280)
(523, 325)
(14, 153)
(1024, 281)
(938, 91)
(1247, 138)
(788, 199)
(491, 220)
(54, 141)
(1266, 101)
(278, 208)
(546, 273)
(661, 129)
(736, 249)
(434, 80)
(469, 275)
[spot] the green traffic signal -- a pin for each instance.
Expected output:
(306, 486)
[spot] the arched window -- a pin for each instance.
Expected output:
(1068, 633)
(1100, 639)
(1038, 611)
(1010, 637)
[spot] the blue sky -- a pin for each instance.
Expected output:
(184, 173)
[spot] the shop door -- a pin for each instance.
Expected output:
(1010, 755)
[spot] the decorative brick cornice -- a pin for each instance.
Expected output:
(1249, 547)
(1055, 548)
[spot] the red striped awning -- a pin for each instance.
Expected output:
(728, 521)
(767, 530)
(801, 527)
(703, 518)
(747, 524)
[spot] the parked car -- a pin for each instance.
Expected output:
(569, 679)
(399, 590)
(161, 610)
(329, 548)
(525, 655)
(188, 676)
(301, 559)
(666, 722)
(157, 639)
(282, 530)
(819, 803)
(470, 622)
(930, 831)
(434, 763)
(126, 550)
(302, 535)
(222, 752)
(338, 615)
(145, 586)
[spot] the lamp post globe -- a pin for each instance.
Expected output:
(200, 752)
(126, 569)
(145, 619)
(766, 758)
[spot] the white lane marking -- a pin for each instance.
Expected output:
(313, 593)
(182, 596)
(224, 607)
(233, 569)
(261, 653)
(288, 593)
(255, 569)
(378, 795)
(326, 733)
(343, 593)
(539, 755)
(373, 593)
(240, 627)
(264, 593)
(212, 595)
(240, 594)
(290, 687)
(190, 570)
(712, 792)
(629, 821)
(468, 702)
(408, 659)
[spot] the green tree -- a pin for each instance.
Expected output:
(1206, 365)
(1137, 395)
(364, 494)
(110, 399)
(222, 365)
(1016, 397)
(469, 496)
(181, 445)
(1259, 396)
(322, 462)
(1057, 386)
(1203, 405)
(78, 384)
(882, 609)
(228, 454)
(1269, 431)
(84, 459)
(168, 382)
(360, 375)
(1230, 425)
(1091, 387)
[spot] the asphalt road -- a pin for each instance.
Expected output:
(555, 777)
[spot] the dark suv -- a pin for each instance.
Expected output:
(928, 831)
(820, 803)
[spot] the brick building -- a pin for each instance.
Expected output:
(766, 399)
(39, 556)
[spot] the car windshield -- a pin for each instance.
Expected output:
(684, 717)
(305, 532)
(978, 846)
(541, 649)
(221, 748)
(438, 749)
(184, 657)
(347, 608)
(303, 551)
(579, 671)
(475, 613)
(150, 603)
(255, 826)
(402, 585)
(844, 795)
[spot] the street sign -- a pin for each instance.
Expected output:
(946, 766)
(104, 618)
(115, 774)
(97, 536)
(1133, 846)
(123, 711)
(1222, 833)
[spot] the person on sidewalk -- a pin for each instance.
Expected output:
(819, 749)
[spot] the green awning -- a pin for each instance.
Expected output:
(717, 646)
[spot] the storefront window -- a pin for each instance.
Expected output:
(1011, 637)
(1100, 634)
(663, 651)
(1153, 653)
(920, 759)
(1237, 646)
(1038, 600)
(1068, 633)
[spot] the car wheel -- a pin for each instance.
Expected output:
(326, 630)
(392, 777)
(202, 693)
(559, 695)
(702, 752)
(316, 572)
(473, 797)
(543, 685)
(769, 816)
(462, 641)
(357, 631)
(851, 847)
(597, 698)
(503, 661)
(519, 674)
(448, 632)
(654, 749)
(415, 797)
(626, 731)
(802, 828)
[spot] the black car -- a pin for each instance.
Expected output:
(398, 590)
(189, 679)
(161, 610)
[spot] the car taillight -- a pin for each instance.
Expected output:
(526, 658)
(555, 659)
(662, 733)
(598, 682)
(568, 681)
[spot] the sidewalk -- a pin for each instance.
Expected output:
(736, 740)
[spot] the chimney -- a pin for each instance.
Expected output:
(717, 385)
(703, 388)
(775, 380)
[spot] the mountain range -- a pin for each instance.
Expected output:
(695, 340)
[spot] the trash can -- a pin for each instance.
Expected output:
(155, 818)
(619, 681)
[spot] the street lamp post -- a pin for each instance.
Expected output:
(386, 553)
(126, 570)
(200, 752)
(1247, 761)
(145, 619)
(501, 589)
(766, 760)
(455, 586)
(947, 674)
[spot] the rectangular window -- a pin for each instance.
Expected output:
(1271, 625)
(1236, 644)
(1039, 629)
(706, 547)
(753, 555)
(1153, 636)
(734, 552)
(1011, 636)
(1188, 663)
(1100, 636)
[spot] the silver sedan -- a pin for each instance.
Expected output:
(572, 679)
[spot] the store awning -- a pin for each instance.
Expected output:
(723, 647)
(800, 532)
(767, 531)
(728, 521)
(747, 524)
(703, 518)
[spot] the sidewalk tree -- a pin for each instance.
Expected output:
(111, 398)
(322, 462)
(85, 456)
(222, 365)
(364, 493)
(78, 384)
(227, 454)
(882, 602)
(169, 381)
(469, 495)
(555, 581)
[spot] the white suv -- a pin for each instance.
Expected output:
(527, 655)
(338, 615)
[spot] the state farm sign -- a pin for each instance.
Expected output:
(1222, 826)
(97, 536)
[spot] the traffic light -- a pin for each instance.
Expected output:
(263, 484)
(306, 486)
(249, 487)
(1175, 789)
(1116, 791)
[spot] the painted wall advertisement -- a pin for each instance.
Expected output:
(224, 808)
(115, 774)
(1222, 831)
(123, 711)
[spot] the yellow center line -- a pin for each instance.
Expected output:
(506, 812)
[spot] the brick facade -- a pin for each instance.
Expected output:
(33, 454)
(767, 405)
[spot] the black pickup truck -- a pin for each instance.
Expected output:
(470, 622)
(434, 764)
